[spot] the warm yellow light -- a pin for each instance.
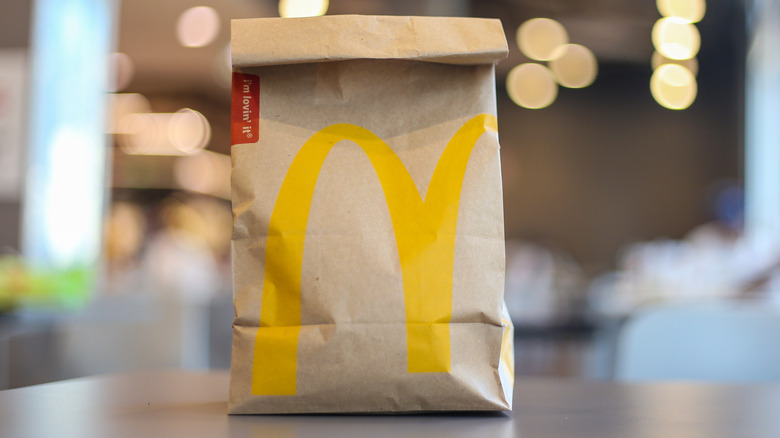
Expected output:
(574, 66)
(197, 26)
(691, 64)
(188, 131)
(539, 37)
(140, 133)
(676, 38)
(302, 8)
(673, 86)
(122, 104)
(690, 10)
(531, 85)
(181, 133)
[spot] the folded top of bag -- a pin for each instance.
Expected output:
(456, 40)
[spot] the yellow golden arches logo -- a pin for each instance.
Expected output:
(424, 233)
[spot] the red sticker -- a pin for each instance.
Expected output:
(245, 108)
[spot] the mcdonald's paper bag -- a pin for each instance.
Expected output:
(368, 237)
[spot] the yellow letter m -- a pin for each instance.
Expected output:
(424, 233)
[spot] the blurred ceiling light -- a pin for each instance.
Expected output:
(673, 86)
(690, 10)
(140, 133)
(539, 37)
(122, 104)
(531, 86)
(676, 38)
(197, 26)
(691, 64)
(123, 69)
(207, 172)
(181, 133)
(188, 130)
(574, 66)
(302, 8)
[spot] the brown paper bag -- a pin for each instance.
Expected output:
(368, 246)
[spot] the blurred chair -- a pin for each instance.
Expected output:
(121, 333)
(221, 314)
(724, 342)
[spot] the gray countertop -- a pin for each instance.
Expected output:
(178, 403)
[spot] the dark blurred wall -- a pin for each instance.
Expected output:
(15, 22)
(14, 33)
(606, 165)
(600, 168)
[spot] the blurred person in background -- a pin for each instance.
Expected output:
(186, 256)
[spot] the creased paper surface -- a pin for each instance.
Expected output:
(342, 37)
(368, 248)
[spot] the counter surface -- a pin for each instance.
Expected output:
(178, 403)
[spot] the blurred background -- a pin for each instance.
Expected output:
(640, 160)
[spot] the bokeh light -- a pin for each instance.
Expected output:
(538, 38)
(122, 104)
(140, 133)
(691, 64)
(673, 86)
(302, 8)
(531, 86)
(574, 66)
(197, 26)
(181, 133)
(690, 10)
(676, 38)
(188, 130)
